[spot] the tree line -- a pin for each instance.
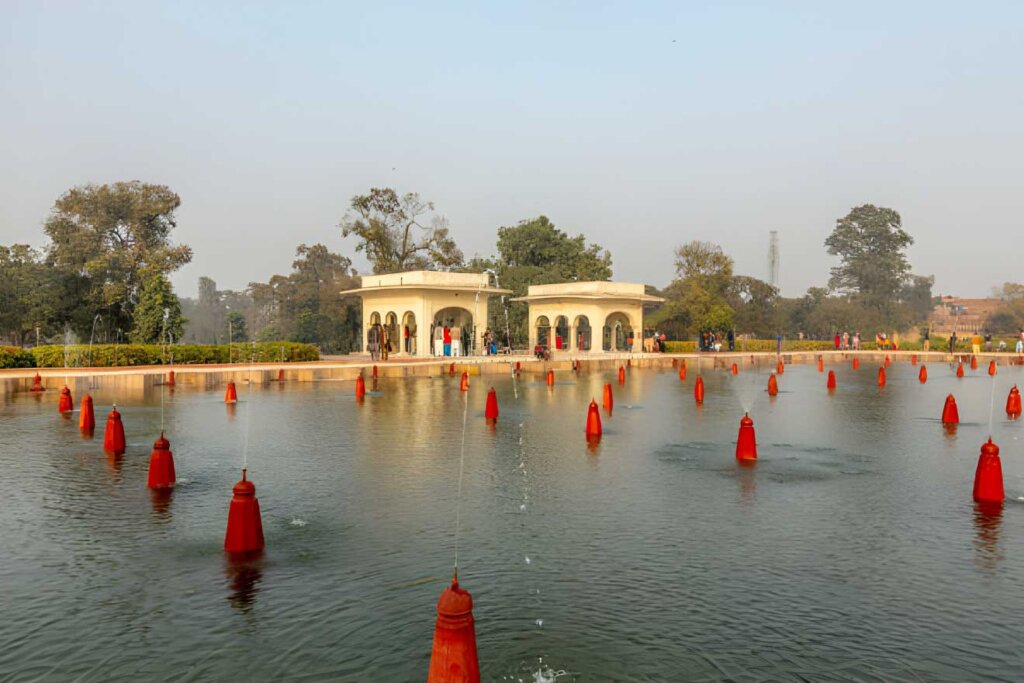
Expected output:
(104, 274)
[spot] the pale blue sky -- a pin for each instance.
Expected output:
(643, 125)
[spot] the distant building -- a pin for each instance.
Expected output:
(961, 315)
(587, 316)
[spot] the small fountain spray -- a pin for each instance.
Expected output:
(244, 534)
(988, 477)
(161, 461)
(453, 656)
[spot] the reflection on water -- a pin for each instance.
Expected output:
(851, 545)
(988, 518)
(244, 574)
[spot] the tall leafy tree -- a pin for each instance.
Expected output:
(400, 232)
(158, 317)
(697, 299)
(871, 245)
(29, 294)
(104, 238)
(535, 252)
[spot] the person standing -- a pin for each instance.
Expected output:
(446, 337)
(1020, 341)
(455, 340)
(438, 340)
(730, 337)
(778, 344)
(988, 341)
(976, 343)
(952, 341)
(373, 342)
(835, 342)
(927, 340)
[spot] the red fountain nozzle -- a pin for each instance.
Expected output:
(453, 658)
(113, 435)
(65, 404)
(245, 527)
(231, 396)
(161, 465)
(491, 407)
(593, 422)
(950, 413)
(746, 441)
(988, 477)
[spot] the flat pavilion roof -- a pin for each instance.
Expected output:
(593, 291)
(428, 279)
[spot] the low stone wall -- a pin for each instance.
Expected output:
(209, 377)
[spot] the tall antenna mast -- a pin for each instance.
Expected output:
(773, 258)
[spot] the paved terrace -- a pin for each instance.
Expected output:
(349, 367)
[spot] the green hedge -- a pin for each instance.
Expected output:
(14, 357)
(110, 355)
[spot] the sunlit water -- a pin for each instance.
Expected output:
(851, 551)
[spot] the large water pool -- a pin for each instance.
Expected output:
(851, 551)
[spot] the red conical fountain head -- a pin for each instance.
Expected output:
(1013, 403)
(374, 372)
(821, 364)
(922, 374)
(550, 378)
(170, 378)
(622, 375)
(87, 417)
(37, 383)
(881, 376)
(245, 527)
(950, 413)
(451, 370)
(974, 362)
(988, 478)
(593, 421)
(280, 374)
(360, 387)
(856, 363)
(913, 359)
(830, 383)
(464, 382)
(735, 369)
(780, 367)
(682, 371)
(113, 435)
(991, 368)
(65, 404)
(161, 465)
(959, 369)
(746, 441)
(231, 396)
(491, 408)
(888, 362)
(773, 386)
(608, 400)
(453, 658)
(698, 390)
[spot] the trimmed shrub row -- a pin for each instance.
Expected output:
(110, 355)
(14, 357)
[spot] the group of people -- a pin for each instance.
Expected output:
(707, 340)
(851, 342)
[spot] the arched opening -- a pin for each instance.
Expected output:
(375, 318)
(561, 333)
(391, 334)
(543, 326)
(583, 333)
(452, 332)
(409, 333)
(618, 333)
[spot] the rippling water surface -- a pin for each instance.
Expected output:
(851, 551)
